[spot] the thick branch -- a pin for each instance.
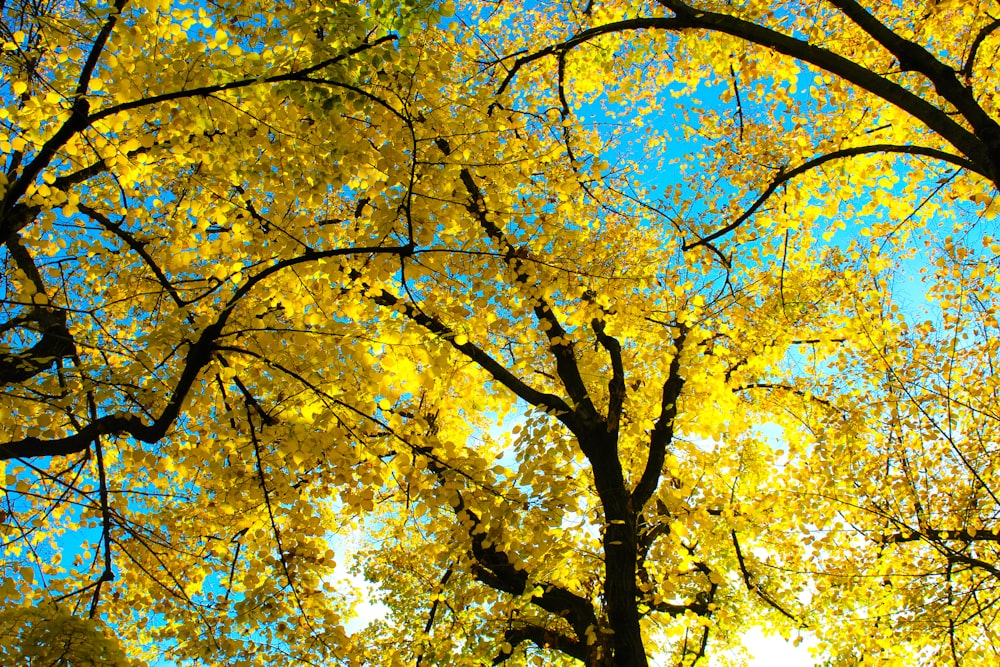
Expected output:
(912, 56)
(494, 568)
(973, 562)
(663, 431)
(560, 344)
(599, 444)
(83, 83)
(616, 385)
(542, 638)
(976, 148)
(56, 341)
(78, 120)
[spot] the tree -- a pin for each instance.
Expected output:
(915, 455)
(589, 45)
(155, 211)
(903, 508)
(595, 516)
(278, 271)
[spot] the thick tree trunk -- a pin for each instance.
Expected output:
(620, 551)
(620, 587)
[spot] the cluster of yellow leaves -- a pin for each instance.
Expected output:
(275, 273)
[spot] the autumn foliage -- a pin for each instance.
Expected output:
(561, 332)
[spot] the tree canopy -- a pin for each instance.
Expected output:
(585, 332)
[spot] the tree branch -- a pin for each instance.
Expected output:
(970, 61)
(198, 356)
(753, 586)
(940, 535)
(55, 343)
(476, 354)
(616, 385)
(977, 147)
(912, 56)
(542, 638)
(784, 176)
(83, 83)
(663, 431)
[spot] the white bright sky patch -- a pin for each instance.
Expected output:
(355, 586)
(773, 651)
